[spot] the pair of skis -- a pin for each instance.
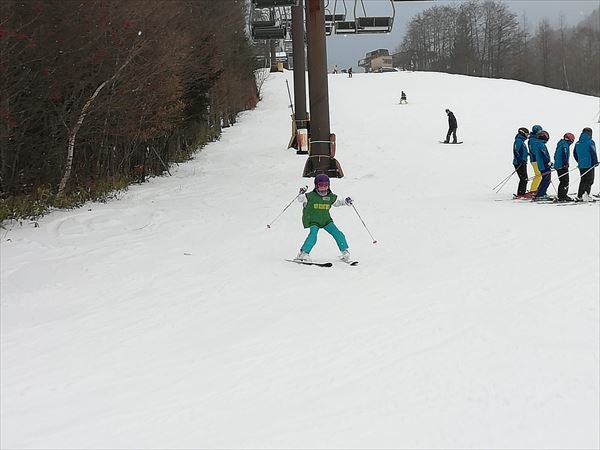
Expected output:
(553, 200)
(320, 264)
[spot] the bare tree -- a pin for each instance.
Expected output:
(79, 76)
(484, 38)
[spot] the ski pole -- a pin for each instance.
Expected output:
(503, 184)
(577, 167)
(531, 178)
(566, 173)
(591, 168)
(289, 96)
(364, 224)
(289, 204)
(504, 180)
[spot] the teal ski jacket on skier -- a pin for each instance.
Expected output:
(533, 137)
(562, 154)
(585, 152)
(519, 150)
(538, 148)
(530, 141)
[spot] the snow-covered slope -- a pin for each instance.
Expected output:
(169, 318)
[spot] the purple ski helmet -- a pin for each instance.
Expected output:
(321, 178)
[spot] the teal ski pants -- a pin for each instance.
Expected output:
(311, 239)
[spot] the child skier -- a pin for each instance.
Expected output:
(315, 215)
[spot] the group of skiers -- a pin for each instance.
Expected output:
(527, 146)
(533, 146)
(337, 70)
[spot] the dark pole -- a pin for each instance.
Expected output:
(273, 58)
(320, 158)
(299, 64)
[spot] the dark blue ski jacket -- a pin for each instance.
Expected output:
(538, 148)
(519, 150)
(530, 141)
(585, 152)
(562, 153)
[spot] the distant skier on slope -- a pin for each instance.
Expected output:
(315, 215)
(452, 126)
(403, 98)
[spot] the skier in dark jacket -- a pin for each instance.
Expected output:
(520, 160)
(561, 164)
(539, 149)
(587, 159)
(452, 126)
(315, 215)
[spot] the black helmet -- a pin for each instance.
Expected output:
(543, 135)
(587, 131)
(523, 131)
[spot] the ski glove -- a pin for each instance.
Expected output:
(303, 189)
(348, 201)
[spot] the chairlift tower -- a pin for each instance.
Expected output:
(299, 57)
(320, 23)
(321, 157)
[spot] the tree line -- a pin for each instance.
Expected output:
(97, 93)
(486, 39)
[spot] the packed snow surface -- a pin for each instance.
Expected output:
(169, 318)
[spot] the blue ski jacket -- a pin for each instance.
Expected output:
(585, 152)
(538, 148)
(562, 153)
(519, 150)
(530, 141)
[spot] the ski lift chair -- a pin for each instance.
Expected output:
(262, 23)
(345, 27)
(330, 20)
(373, 24)
(338, 21)
(267, 25)
(268, 33)
(274, 3)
